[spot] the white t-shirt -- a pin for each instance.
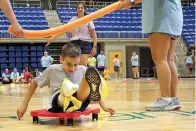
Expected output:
(82, 32)
(116, 62)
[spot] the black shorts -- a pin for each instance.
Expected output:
(7, 82)
(101, 68)
(57, 108)
(85, 46)
(116, 68)
(134, 66)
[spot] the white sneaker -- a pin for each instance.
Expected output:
(162, 104)
(176, 102)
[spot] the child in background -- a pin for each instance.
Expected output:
(26, 77)
(116, 64)
(15, 76)
(37, 72)
(106, 73)
(91, 61)
(189, 62)
(6, 77)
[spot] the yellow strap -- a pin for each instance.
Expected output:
(77, 104)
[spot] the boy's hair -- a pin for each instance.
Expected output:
(116, 55)
(71, 50)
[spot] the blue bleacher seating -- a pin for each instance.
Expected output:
(11, 48)
(189, 25)
(39, 54)
(3, 54)
(12, 65)
(46, 48)
(3, 66)
(18, 54)
(33, 48)
(18, 48)
(25, 59)
(18, 60)
(3, 60)
(39, 48)
(2, 48)
(11, 54)
(25, 54)
(19, 65)
(33, 54)
(33, 59)
(11, 60)
(19, 70)
(24, 48)
(34, 65)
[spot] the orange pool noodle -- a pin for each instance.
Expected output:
(69, 26)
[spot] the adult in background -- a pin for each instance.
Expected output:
(85, 36)
(46, 60)
(101, 62)
(135, 64)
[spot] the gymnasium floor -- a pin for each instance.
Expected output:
(127, 98)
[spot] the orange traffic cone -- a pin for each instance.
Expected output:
(124, 80)
(150, 82)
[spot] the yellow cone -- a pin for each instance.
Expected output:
(2, 88)
(12, 85)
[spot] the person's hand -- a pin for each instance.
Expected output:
(51, 39)
(17, 30)
(20, 111)
(94, 51)
(110, 110)
(124, 5)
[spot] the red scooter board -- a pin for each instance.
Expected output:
(44, 113)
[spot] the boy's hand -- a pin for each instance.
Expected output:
(20, 111)
(110, 110)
